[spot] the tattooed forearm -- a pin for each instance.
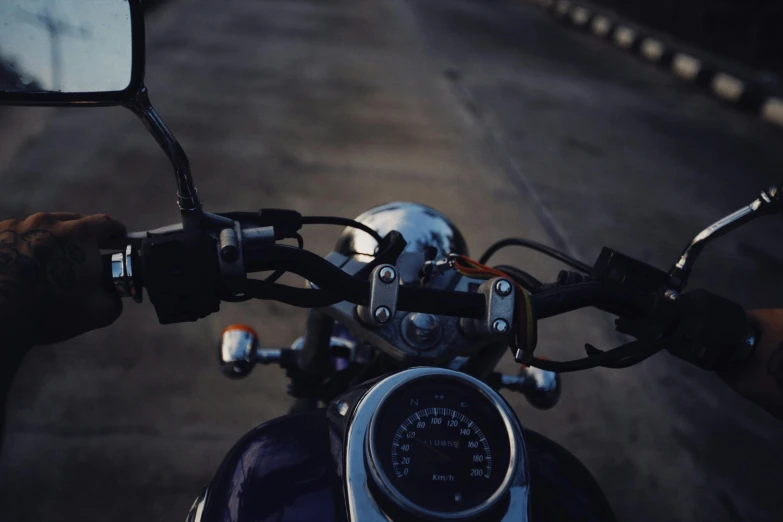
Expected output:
(51, 284)
(35, 262)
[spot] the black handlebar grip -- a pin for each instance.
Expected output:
(713, 333)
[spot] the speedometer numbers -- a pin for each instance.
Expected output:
(440, 445)
(444, 444)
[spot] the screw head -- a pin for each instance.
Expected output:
(503, 288)
(500, 326)
(387, 274)
(382, 314)
(671, 295)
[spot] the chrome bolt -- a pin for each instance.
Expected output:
(342, 408)
(500, 326)
(421, 330)
(387, 274)
(382, 314)
(671, 295)
(503, 288)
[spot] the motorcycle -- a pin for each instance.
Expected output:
(397, 413)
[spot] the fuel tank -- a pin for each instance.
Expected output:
(284, 470)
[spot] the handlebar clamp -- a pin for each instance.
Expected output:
(384, 289)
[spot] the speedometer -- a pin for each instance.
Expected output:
(441, 448)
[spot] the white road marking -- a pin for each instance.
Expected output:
(580, 15)
(686, 67)
(562, 7)
(601, 26)
(727, 87)
(772, 111)
(624, 37)
(652, 49)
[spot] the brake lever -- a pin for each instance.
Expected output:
(645, 350)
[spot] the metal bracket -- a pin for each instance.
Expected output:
(384, 288)
(499, 317)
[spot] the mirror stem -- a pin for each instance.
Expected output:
(769, 202)
(187, 195)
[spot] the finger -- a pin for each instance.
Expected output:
(102, 229)
(105, 308)
(65, 216)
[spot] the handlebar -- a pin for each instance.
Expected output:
(184, 280)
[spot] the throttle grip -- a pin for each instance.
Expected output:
(713, 333)
(121, 273)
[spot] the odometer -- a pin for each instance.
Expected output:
(440, 447)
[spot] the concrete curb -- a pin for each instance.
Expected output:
(744, 93)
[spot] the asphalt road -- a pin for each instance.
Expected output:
(488, 111)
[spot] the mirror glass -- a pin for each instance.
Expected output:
(66, 46)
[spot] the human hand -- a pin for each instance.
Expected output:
(760, 378)
(51, 277)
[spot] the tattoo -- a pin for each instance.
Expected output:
(75, 254)
(775, 366)
(7, 238)
(37, 235)
(8, 257)
(61, 273)
(35, 261)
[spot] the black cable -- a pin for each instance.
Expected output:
(547, 250)
(524, 279)
(299, 297)
(321, 272)
(277, 274)
(610, 357)
(345, 222)
(340, 221)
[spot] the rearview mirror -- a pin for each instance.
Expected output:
(64, 52)
(79, 52)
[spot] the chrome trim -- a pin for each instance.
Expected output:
(187, 195)
(237, 352)
(383, 297)
(196, 511)
(768, 202)
(362, 506)
(421, 331)
(420, 225)
(135, 287)
(499, 318)
(122, 274)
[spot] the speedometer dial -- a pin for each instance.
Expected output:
(432, 438)
(441, 448)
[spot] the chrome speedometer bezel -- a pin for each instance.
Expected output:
(384, 483)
